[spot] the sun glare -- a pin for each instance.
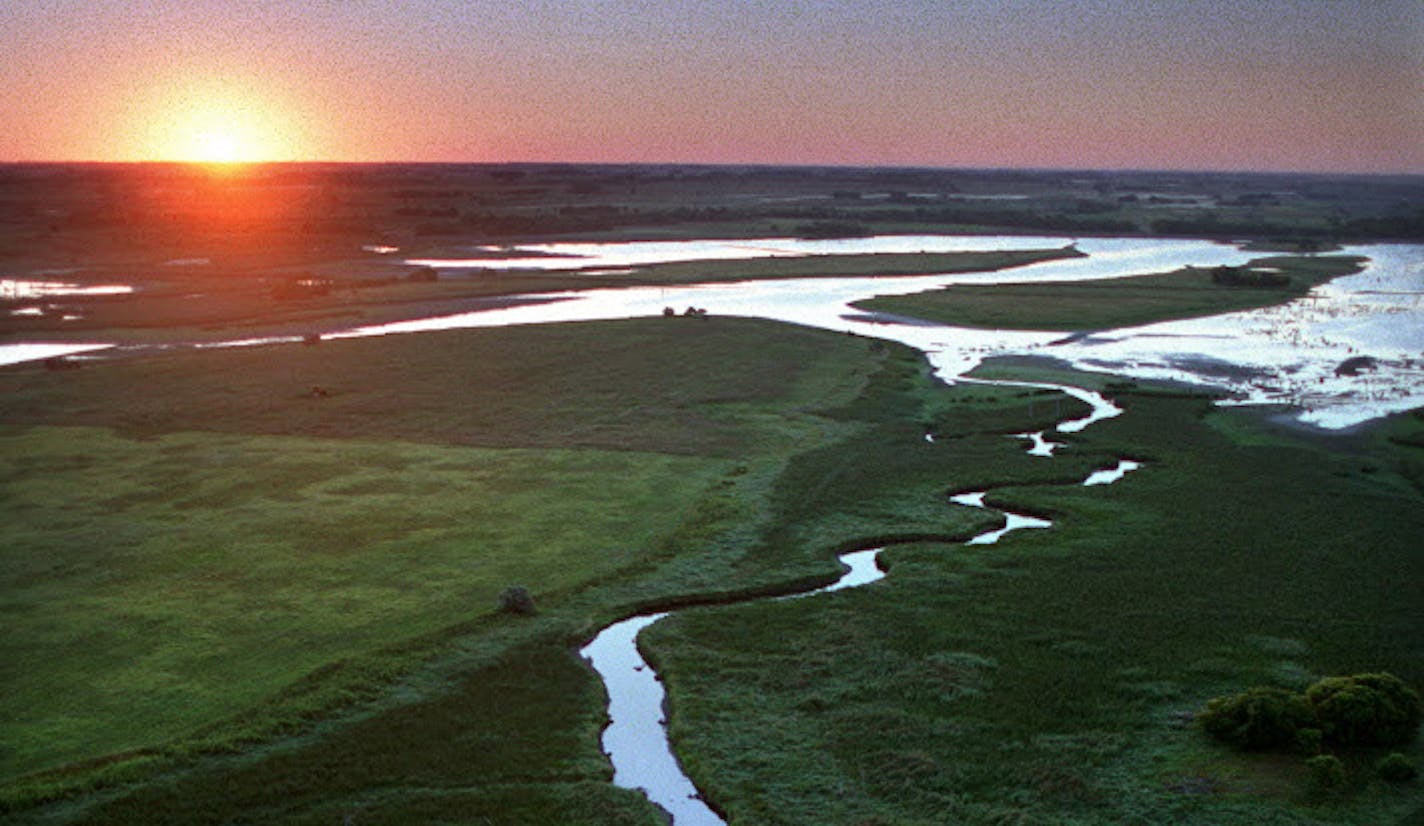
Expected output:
(222, 136)
(216, 147)
(217, 124)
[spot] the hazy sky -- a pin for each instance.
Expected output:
(1245, 84)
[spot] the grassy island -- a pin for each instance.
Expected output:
(1190, 292)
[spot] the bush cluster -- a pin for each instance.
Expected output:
(1326, 772)
(1258, 719)
(1396, 768)
(1362, 710)
(516, 600)
(1366, 710)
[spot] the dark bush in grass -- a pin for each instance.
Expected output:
(1366, 710)
(1396, 768)
(1309, 741)
(1326, 772)
(516, 600)
(1259, 718)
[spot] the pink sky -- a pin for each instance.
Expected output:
(1278, 84)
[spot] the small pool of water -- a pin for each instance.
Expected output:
(1113, 474)
(21, 289)
(20, 353)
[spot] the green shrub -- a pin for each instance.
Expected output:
(1309, 741)
(1259, 718)
(1366, 710)
(1396, 768)
(1326, 772)
(516, 600)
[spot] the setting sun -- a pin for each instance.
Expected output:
(220, 135)
(215, 123)
(217, 147)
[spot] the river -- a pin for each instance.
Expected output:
(1286, 355)
(636, 739)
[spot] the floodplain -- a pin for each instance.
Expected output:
(268, 583)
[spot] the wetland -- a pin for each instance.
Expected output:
(261, 581)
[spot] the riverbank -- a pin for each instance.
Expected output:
(213, 308)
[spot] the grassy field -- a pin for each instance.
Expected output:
(1111, 303)
(917, 263)
(1048, 679)
(666, 385)
(232, 600)
(197, 546)
(224, 576)
(191, 574)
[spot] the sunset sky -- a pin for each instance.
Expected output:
(1313, 85)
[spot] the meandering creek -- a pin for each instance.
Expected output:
(636, 739)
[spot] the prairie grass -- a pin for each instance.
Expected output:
(1045, 679)
(159, 584)
(205, 568)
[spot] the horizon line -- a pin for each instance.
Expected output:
(244, 165)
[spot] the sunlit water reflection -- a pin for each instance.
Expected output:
(12, 289)
(20, 353)
(1285, 355)
(616, 254)
(1282, 355)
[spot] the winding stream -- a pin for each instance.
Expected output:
(636, 739)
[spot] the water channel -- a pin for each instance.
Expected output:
(1287, 355)
(636, 739)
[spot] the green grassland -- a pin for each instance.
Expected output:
(1049, 679)
(1111, 303)
(840, 266)
(164, 582)
(195, 575)
(229, 599)
(193, 547)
